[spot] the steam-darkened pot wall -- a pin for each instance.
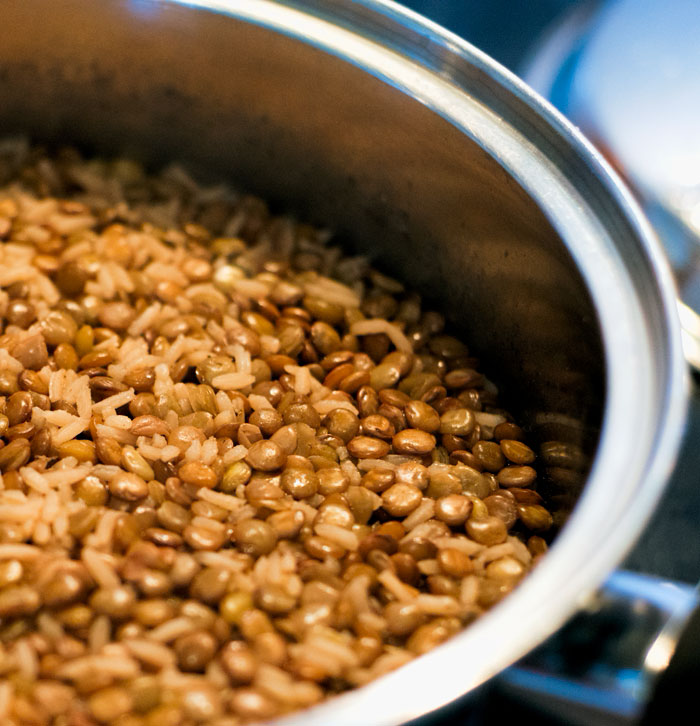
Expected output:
(323, 138)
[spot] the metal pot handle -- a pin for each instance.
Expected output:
(602, 668)
(690, 330)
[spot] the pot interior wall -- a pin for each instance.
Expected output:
(334, 145)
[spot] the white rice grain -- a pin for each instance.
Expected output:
(99, 633)
(172, 629)
(116, 401)
(225, 501)
(233, 381)
(235, 454)
(488, 422)
(69, 432)
(380, 325)
(6, 694)
(429, 567)
(520, 550)
(18, 512)
(26, 659)
(493, 553)
(109, 432)
(49, 626)
(437, 604)
(60, 418)
(20, 273)
(170, 452)
(100, 568)
(35, 480)
(253, 289)
(400, 590)
(327, 405)
(8, 363)
(112, 666)
(101, 538)
(302, 379)
(210, 449)
(150, 653)
(118, 422)
(332, 291)
(352, 472)
(19, 552)
(57, 477)
(343, 537)
(469, 590)
(368, 464)
(42, 533)
(423, 512)
(242, 357)
(224, 561)
(151, 453)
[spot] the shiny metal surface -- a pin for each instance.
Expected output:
(423, 152)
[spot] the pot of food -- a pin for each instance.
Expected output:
(254, 473)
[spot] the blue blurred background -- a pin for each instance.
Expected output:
(506, 29)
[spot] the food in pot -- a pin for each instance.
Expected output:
(240, 470)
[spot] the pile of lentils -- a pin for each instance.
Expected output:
(241, 471)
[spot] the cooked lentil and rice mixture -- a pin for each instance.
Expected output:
(240, 471)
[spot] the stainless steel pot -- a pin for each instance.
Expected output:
(422, 151)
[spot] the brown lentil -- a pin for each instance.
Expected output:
(443, 483)
(254, 537)
(428, 636)
(378, 480)
(505, 569)
(299, 483)
(116, 602)
(18, 600)
(366, 447)
(454, 562)
(195, 651)
(490, 455)
(413, 442)
(406, 567)
(203, 538)
(19, 408)
(457, 421)
(342, 423)
(400, 500)
(128, 486)
(209, 585)
(487, 530)
(265, 455)
(31, 353)
(108, 704)
(453, 509)
(422, 416)
(20, 313)
(502, 506)
(197, 474)
(377, 426)
(517, 451)
(534, 516)
(15, 455)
